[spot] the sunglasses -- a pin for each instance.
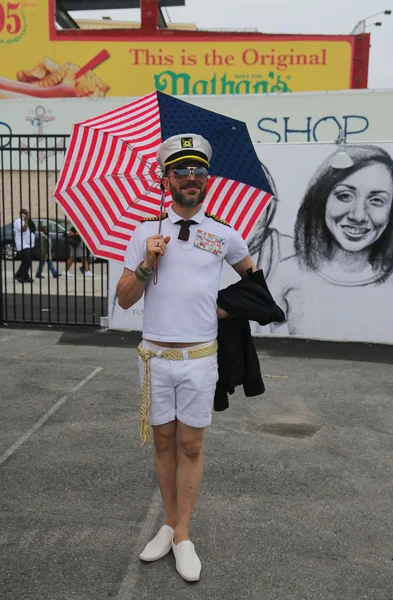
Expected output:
(198, 172)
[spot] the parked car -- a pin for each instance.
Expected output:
(56, 230)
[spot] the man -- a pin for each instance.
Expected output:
(45, 252)
(77, 250)
(24, 241)
(180, 321)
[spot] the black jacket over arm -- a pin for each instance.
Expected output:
(247, 300)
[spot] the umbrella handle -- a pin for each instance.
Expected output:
(155, 276)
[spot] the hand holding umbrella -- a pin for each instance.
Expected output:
(155, 247)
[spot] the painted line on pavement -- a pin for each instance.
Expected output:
(46, 416)
(147, 532)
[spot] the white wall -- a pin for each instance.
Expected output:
(271, 118)
(309, 117)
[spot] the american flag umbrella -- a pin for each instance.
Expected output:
(110, 179)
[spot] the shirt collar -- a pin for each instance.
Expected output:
(174, 217)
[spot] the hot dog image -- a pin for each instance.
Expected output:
(48, 79)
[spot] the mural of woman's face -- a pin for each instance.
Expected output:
(358, 208)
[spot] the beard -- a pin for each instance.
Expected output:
(182, 197)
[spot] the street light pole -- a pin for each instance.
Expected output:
(382, 12)
(360, 27)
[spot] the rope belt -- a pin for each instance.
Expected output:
(169, 354)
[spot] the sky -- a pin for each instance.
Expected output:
(289, 16)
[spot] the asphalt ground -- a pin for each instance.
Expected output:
(296, 502)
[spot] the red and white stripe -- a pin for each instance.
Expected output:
(110, 178)
(239, 204)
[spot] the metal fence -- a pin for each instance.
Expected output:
(63, 293)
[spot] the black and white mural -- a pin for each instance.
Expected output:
(325, 244)
(328, 249)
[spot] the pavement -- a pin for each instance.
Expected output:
(296, 502)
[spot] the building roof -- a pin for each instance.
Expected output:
(66, 21)
(110, 24)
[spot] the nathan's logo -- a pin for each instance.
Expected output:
(13, 23)
(178, 84)
(187, 143)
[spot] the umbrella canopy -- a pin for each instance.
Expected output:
(110, 180)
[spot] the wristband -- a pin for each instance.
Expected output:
(144, 270)
(142, 274)
(139, 275)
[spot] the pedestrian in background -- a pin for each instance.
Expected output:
(77, 250)
(24, 230)
(45, 254)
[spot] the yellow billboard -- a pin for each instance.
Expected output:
(37, 60)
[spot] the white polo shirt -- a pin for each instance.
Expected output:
(23, 239)
(182, 306)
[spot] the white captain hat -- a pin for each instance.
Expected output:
(184, 146)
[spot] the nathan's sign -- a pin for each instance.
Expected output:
(183, 83)
(37, 60)
(243, 82)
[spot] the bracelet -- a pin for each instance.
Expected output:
(144, 270)
(142, 274)
(139, 275)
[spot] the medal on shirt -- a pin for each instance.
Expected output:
(210, 242)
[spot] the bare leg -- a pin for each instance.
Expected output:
(69, 263)
(86, 265)
(165, 460)
(189, 475)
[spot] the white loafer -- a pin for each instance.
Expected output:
(159, 546)
(188, 564)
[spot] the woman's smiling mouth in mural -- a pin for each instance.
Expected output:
(355, 233)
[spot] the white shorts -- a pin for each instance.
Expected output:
(181, 389)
